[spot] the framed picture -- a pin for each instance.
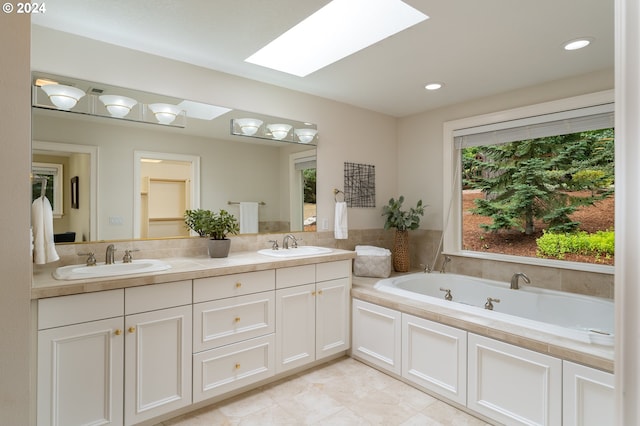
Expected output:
(74, 193)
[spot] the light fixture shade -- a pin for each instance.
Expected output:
(165, 113)
(279, 131)
(64, 97)
(305, 135)
(248, 126)
(118, 106)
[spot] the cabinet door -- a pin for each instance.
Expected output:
(435, 356)
(230, 367)
(588, 395)
(377, 335)
(295, 326)
(513, 385)
(158, 363)
(80, 372)
(332, 317)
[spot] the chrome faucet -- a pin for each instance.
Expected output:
(109, 256)
(285, 241)
(515, 279)
(446, 260)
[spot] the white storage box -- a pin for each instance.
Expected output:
(372, 261)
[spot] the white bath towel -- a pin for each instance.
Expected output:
(248, 217)
(44, 249)
(341, 225)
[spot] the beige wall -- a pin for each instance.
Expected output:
(15, 264)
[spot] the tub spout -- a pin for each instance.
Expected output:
(516, 278)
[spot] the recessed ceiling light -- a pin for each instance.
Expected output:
(337, 30)
(578, 43)
(433, 86)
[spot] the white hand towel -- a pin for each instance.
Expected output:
(44, 248)
(341, 226)
(248, 217)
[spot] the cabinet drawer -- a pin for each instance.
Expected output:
(77, 308)
(158, 296)
(221, 370)
(212, 288)
(296, 275)
(333, 270)
(221, 322)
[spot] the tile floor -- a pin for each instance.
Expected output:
(342, 392)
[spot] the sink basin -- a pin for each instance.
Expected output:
(295, 252)
(138, 266)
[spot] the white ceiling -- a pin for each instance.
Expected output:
(476, 47)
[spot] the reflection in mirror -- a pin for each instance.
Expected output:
(234, 170)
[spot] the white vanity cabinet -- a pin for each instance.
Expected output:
(312, 313)
(158, 323)
(434, 356)
(588, 396)
(234, 322)
(81, 359)
(513, 385)
(377, 333)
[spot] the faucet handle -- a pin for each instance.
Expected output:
(274, 244)
(91, 259)
(447, 293)
(127, 258)
(489, 304)
(426, 268)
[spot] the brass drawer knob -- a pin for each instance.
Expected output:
(238, 284)
(237, 366)
(237, 319)
(117, 332)
(132, 329)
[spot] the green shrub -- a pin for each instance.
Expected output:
(557, 245)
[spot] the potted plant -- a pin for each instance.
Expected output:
(216, 226)
(403, 221)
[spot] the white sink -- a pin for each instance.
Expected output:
(295, 252)
(138, 266)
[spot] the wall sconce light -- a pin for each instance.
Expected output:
(165, 113)
(279, 131)
(305, 135)
(118, 106)
(248, 126)
(64, 97)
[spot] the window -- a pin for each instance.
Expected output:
(523, 181)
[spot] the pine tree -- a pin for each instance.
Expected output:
(532, 179)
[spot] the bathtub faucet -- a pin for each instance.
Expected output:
(426, 268)
(446, 260)
(515, 279)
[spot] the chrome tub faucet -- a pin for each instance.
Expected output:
(516, 278)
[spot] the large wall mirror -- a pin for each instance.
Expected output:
(133, 176)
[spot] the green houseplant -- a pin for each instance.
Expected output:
(214, 225)
(402, 221)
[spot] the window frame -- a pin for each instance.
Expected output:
(451, 179)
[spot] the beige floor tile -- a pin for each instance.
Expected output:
(343, 392)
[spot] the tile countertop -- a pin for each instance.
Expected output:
(596, 356)
(182, 268)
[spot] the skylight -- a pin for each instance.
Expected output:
(336, 31)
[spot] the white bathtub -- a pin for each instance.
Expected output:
(583, 318)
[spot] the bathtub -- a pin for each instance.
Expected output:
(582, 318)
